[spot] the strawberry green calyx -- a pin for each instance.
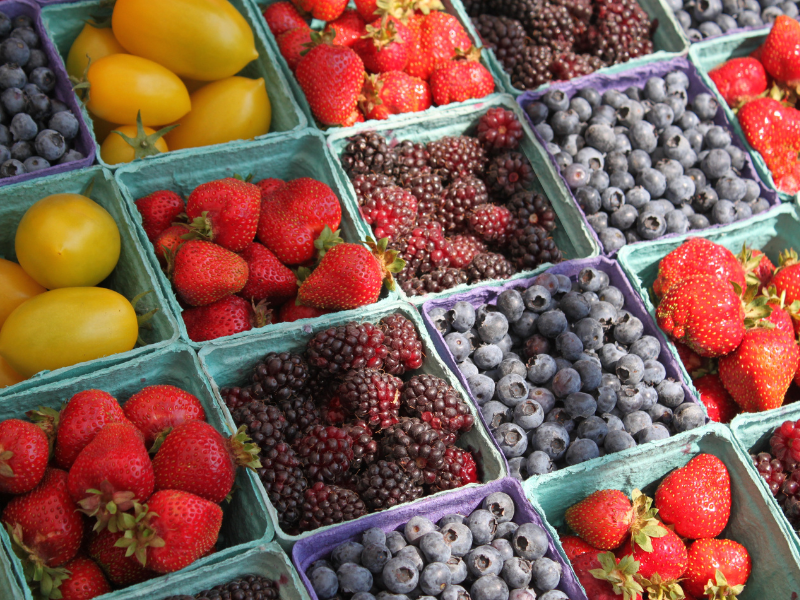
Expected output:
(5, 468)
(788, 258)
(427, 6)
(319, 38)
(107, 505)
(327, 239)
(619, 574)
(382, 35)
(750, 263)
(46, 419)
(262, 314)
(399, 9)
(720, 590)
(473, 54)
(658, 589)
(35, 567)
(644, 525)
(143, 144)
(244, 450)
(389, 260)
(371, 93)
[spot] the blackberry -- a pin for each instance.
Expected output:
(281, 473)
(459, 199)
(364, 184)
(569, 65)
(386, 484)
(509, 173)
(248, 587)
(503, 35)
(351, 346)
(465, 248)
(414, 442)
(279, 375)
(390, 211)
(427, 189)
(326, 453)
(771, 470)
(372, 396)
(499, 129)
(785, 442)
(405, 347)
(458, 470)
(474, 7)
(410, 161)
(327, 504)
(265, 423)
(424, 249)
(365, 448)
(301, 414)
(550, 24)
(435, 402)
(367, 152)
(531, 208)
(532, 246)
(454, 157)
(489, 265)
(491, 223)
(237, 396)
(434, 282)
(621, 32)
(333, 413)
(533, 68)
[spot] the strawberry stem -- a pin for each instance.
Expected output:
(244, 450)
(659, 589)
(619, 574)
(644, 525)
(389, 260)
(720, 590)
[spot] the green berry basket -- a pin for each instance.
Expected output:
(297, 154)
(9, 580)
(63, 23)
(572, 235)
(755, 520)
(231, 364)
(245, 521)
(132, 275)
(708, 55)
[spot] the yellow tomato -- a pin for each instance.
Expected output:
(198, 39)
(67, 326)
(115, 149)
(17, 287)
(67, 240)
(235, 108)
(192, 84)
(122, 85)
(92, 43)
(8, 376)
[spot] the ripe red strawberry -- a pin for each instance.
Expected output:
(85, 581)
(439, 37)
(461, 79)
(691, 360)
(789, 182)
(780, 52)
(324, 10)
(178, 528)
(695, 256)
(291, 311)
(710, 558)
(168, 242)
(602, 519)
(739, 80)
(269, 185)
(347, 29)
(666, 557)
(157, 409)
(226, 212)
(121, 570)
(758, 268)
(780, 317)
(350, 276)
(384, 47)
(224, 317)
(294, 216)
(82, 418)
(331, 78)
(268, 278)
(696, 499)
(24, 452)
(111, 473)
(773, 130)
(367, 9)
(292, 44)
(718, 402)
(704, 313)
(574, 546)
(393, 93)
(282, 17)
(605, 578)
(205, 272)
(786, 278)
(159, 210)
(759, 372)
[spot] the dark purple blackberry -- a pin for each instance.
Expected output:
(621, 31)
(326, 453)
(279, 375)
(427, 189)
(372, 396)
(248, 587)
(458, 470)
(414, 442)
(569, 65)
(489, 265)
(352, 346)
(454, 157)
(474, 7)
(499, 129)
(390, 211)
(509, 173)
(459, 199)
(365, 448)
(328, 504)
(503, 35)
(367, 152)
(550, 24)
(301, 414)
(533, 68)
(410, 161)
(531, 208)
(281, 473)
(265, 423)
(435, 402)
(424, 249)
(386, 484)
(434, 282)
(533, 246)
(405, 347)
(364, 184)
(237, 396)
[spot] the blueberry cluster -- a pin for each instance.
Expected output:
(647, 162)
(702, 19)
(36, 130)
(484, 556)
(563, 374)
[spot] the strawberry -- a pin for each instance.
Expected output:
(350, 275)
(157, 409)
(367, 10)
(24, 452)
(111, 474)
(294, 216)
(205, 272)
(739, 80)
(786, 278)
(759, 372)
(282, 17)
(789, 182)
(691, 360)
(666, 556)
(158, 211)
(347, 29)
(269, 185)
(393, 93)
(196, 458)
(602, 519)
(177, 529)
(704, 313)
(384, 46)
(168, 242)
(82, 418)
(717, 564)
(293, 43)
(574, 546)
(606, 578)
(85, 581)
(324, 10)
(120, 569)
(780, 316)
(696, 499)
(773, 130)
(268, 279)
(780, 52)
(226, 212)
(461, 79)
(718, 402)
(331, 78)
(291, 311)
(695, 256)
(758, 268)
(440, 35)
(224, 317)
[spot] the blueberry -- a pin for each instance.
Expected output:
(503, 546)
(629, 399)
(43, 78)
(593, 428)
(539, 463)
(612, 239)
(688, 416)
(458, 569)
(50, 144)
(511, 304)
(591, 95)
(484, 560)
(492, 327)
(574, 306)
(582, 108)
(537, 112)
(512, 439)
(545, 131)
(27, 35)
(599, 180)
(354, 578)
(749, 18)
(576, 175)
(731, 188)
(566, 382)
(530, 541)
(670, 393)
(487, 357)
(325, 582)
(14, 51)
(552, 323)
(651, 225)
(643, 136)
(543, 397)
(651, 433)
(395, 541)
(609, 355)
(483, 525)
(489, 587)
(461, 316)
(434, 547)
(555, 100)
(580, 405)
(704, 104)
(590, 158)
(11, 167)
(716, 163)
(13, 101)
(455, 592)
(384, 595)
(400, 575)
(435, 578)
(528, 414)
(599, 222)
(618, 440)
(363, 596)
(759, 206)
(525, 326)
(606, 399)
(551, 595)
(536, 344)
(604, 313)
(552, 439)
(636, 421)
(546, 574)
(600, 137)
(565, 122)
(482, 388)
(649, 396)
(458, 345)
(373, 535)
(468, 369)
(416, 527)
(458, 537)
(516, 468)
(440, 321)
(646, 347)
(349, 552)
(413, 554)
(723, 212)
(5, 154)
(653, 181)
(613, 422)
(580, 451)
(511, 390)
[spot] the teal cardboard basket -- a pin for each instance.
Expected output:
(296, 154)
(245, 521)
(231, 364)
(64, 22)
(9, 583)
(132, 275)
(572, 235)
(755, 520)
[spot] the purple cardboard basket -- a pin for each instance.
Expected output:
(62, 92)
(320, 545)
(571, 268)
(638, 77)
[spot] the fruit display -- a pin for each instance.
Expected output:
(539, 41)
(650, 160)
(460, 209)
(378, 59)
(703, 20)
(247, 587)
(562, 372)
